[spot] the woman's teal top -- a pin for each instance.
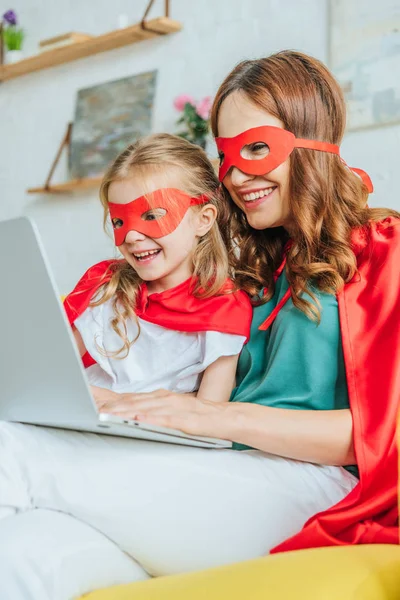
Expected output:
(296, 363)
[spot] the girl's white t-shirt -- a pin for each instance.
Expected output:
(159, 359)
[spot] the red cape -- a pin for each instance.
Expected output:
(369, 311)
(176, 308)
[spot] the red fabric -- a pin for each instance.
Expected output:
(369, 310)
(132, 215)
(174, 309)
(281, 144)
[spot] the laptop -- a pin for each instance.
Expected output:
(42, 378)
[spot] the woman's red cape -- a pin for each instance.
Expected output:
(369, 310)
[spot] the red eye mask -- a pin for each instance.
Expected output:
(281, 144)
(154, 215)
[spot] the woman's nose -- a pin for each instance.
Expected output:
(238, 178)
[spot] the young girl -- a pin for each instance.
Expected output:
(166, 316)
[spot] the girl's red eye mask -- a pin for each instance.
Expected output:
(154, 215)
(280, 143)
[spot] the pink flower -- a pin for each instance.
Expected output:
(182, 100)
(203, 108)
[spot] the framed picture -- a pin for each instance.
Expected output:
(365, 57)
(108, 117)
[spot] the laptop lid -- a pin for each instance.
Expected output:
(41, 374)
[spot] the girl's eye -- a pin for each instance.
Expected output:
(117, 223)
(221, 156)
(154, 214)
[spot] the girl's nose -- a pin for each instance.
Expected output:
(134, 236)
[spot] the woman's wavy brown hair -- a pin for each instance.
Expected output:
(326, 200)
(195, 176)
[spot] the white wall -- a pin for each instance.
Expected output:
(35, 109)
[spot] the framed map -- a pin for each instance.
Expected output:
(108, 117)
(365, 57)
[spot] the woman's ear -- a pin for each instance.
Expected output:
(205, 219)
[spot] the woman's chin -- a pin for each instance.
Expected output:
(262, 222)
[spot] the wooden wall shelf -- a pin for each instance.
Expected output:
(74, 185)
(109, 41)
(79, 185)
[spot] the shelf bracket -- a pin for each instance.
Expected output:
(64, 143)
(143, 22)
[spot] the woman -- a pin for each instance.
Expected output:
(324, 271)
(317, 261)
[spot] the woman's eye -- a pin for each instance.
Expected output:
(257, 150)
(154, 214)
(117, 223)
(259, 147)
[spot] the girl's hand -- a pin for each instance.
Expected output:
(185, 412)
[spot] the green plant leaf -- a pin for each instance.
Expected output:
(13, 38)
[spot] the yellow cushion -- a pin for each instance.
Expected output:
(340, 573)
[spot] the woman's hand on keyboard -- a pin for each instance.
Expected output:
(186, 412)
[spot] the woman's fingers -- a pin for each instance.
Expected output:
(128, 406)
(147, 402)
(146, 395)
(181, 421)
(102, 396)
(123, 405)
(161, 408)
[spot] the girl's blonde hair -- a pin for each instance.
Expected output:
(326, 200)
(195, 176)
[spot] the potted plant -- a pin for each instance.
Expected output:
(13, 37)
(195, 118)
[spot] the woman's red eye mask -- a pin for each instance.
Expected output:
(154, 215)
(281, 144)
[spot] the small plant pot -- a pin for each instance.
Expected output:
(13, 56)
